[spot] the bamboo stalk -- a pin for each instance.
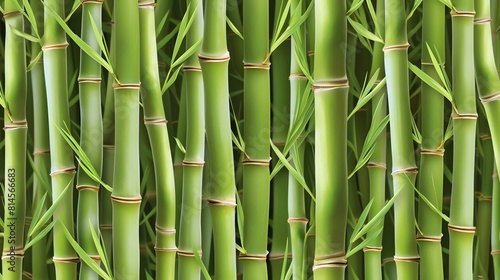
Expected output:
(61, 155)
(495, 224)
(91, 136)
(16, 130)
(126, 197)
(403, 160)
(190, 232)
(331, 91)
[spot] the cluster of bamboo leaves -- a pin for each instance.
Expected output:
(255, 139)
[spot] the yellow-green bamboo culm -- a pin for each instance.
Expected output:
(190, 232)
(62, 167)
(91, 136)
(214, 58)
(16, 131)
(257, 104)
(404, 170)
(331, 92)
(432, 152)
(126, 196)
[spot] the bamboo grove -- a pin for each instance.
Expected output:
(256, 139)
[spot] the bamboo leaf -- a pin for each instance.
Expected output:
(34, 61)
(82, 254)
(416, 4)
(161, 24)
(282, 16)
(75, 7)
(240, 220)
(100, 250)
(179, 145)
(233, 28)
(24, 35)
(193, 49)
(294, 24)
(355, 6)
(361, 221)
(362, 31)
(31, 18)
(40, 235)
(448, 4)
(426, 201)
(417, 136)
(283, 266)
(204, 270)
(430, 81)
(373, 15)
(363, 244)
(98, 36)
(438, 67)
(170, 80)
(364, 98)
(167, 38)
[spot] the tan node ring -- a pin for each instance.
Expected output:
(66, 260)
(298, 220)
(119, 86)
(396, 47)
(87, 188)
(405, 170)
(273, 257)
(372, 249)
(462, 229)
(182, 253)
(263, 66)
(41, 152)
(310, 53)
(484, 136)
(66, 170)
(465, 116)
(428, 238)
(490, 98)
(387, 260)
(462, 13)
(372, 164)
(279, 143)
(129, 200)
(106, 226)
(89, 80)
(191, 68)
(15, 125)
(193, 163)
(328, 85)
(11, 14)
(17, 253)
(253, 257)
(92, 1)
(218, 202)
(495, 252)
(377, 82)
(204, 58)
(165, 250)
(407, 259)
(147, 4)
(438, 152)
(109, 147)
(55, 46)
(155, 121)
(260, 162)
(329, 261)
(483, 197)
(482, 21)
(297, 76)
(166, 231)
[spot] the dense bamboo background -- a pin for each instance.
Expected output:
(256, 139)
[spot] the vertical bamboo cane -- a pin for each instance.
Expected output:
(404, 170)
(214, 59)
(495, 225)
(61, 155)
(331, 91)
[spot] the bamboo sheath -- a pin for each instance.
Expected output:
(62, 168)
(331, 91)
(404, 170)
(214, 59)
(16, 130)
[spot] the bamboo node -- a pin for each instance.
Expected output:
(87, 188)
(66, 170)
(438, 152)
(495, 252)
(144, 5)
(119, 86)
(297, 76)
(191, 68)
(17, 253)
(279, 143)
(15, 125)
(109, 147)
(92, 1)
(55, 46)
(168, 231)
(66, 260)
(165, 250)
(130, 200)
(377, 82)
(372, 164)
(182, 253)
(222, 58)
(263, 66)
(273, 257)
(162, 65)
(429, 238)
(253, 257)
(463, 229)
(41, 152)
(27, 274)
(405, 170)
(329, 261)
(396, 47)
(329, 85)
(482, 21)
(372, 249)
(258, 162)
(89, 80)
(407, 259)
(387, 260)
(155, 121)
(494, 175)
(11, 14)
(490, 98)
(96, 258)
(484, 136)
(218, 202)
(466, 116)
(483, 197)
(193, 163)
(310, 53)
(462, 13)
(298, 220)
(105, 226)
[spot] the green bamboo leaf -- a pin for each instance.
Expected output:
(40, 235)
(433, 208)
(364, 98)
(299, 177)
(82, 254)
(100, 250)
(294, 25)
(2, 97)
(449, 131)
(34, 61)
(194, 48)
(240, 220)
(18, 8)
(37, 212)
(282, 16)
(148, 216)
(42, 179)
(438, 67)
(417, 136)
(179, 145)
(373, 15)
(149, 277)
(362, 31)
(98, 36)
(283, 266)
(167, 38)
(416, 4)
(448, 4)
(24, 35)
(31, 17)
(233, 28)
(377, 218)
(161, 24)
(75, 7)
(204, 270)
(84, 46)
(354, 6)
(48, 214)
(430, 81)
(186, 22)
(363, 244)
(361, 221)
(170, 80)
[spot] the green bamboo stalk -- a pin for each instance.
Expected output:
(41, 156)
(403, 160)
(16, 130)
(257, 104)
(206, 216)
(495, 225)
(61, 155)
(214, 59)
(91, 137)
(179, 154)
(331, 91)
(280, 123)
(126, 196)
(484, 214)
(431, 176)
(377, 165)
(156, 125)
(190, 232)
(461, 225)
